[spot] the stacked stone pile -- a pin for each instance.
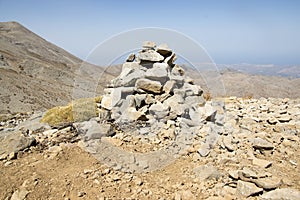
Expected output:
(153, 91)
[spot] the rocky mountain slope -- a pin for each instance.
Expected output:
(35, 74)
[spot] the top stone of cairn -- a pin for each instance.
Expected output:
(149, 45)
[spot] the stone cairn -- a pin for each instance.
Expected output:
(153, 95)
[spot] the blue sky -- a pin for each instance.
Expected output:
(231, 31)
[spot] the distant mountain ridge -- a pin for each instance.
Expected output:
(292, 71)
(36, 74)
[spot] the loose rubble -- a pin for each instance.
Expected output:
(156, 137)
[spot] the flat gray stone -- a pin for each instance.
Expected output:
(200, 114)
(164, 50)
(148, 85)
(207, 172)
(139, 98)
(192, 90)
(33, 123)
(247, 189)
(93, 130)
(130, 58)
(281, 194)
(169, 86)
(14, 142)
(150, 55)
(131, 71)
(248, 173)
(197, 101)
(131, 115)
(261, 163)
(204, 150)
(158, 72)
(284, 118)
(262, 144)
(149, 45)
(227, 141)
(159, 110)
(20, 194)
(114, 95)
(171, 59)
(179, 80)
(125, 104)
(177, 71)
(174, 102)
(267, 183)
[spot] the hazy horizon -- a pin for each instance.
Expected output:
(231, 32)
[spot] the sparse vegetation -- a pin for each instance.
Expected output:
(77, 110)
(207, 96)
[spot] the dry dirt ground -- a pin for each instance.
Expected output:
(259, 146)
(75, 174)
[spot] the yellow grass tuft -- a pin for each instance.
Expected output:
(77, 110)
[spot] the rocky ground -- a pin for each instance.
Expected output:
(256, 157)
(153, 135)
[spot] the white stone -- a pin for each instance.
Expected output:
(169, 86)
(149, 44)
(206, 172)
(159, 110)
(247, 189)
(164, 50)
(50, 132)
(177, 71)
(19, 194)
(283, 193)
(259, 143)
(192, 90)
(268, 183)
(150, 55)
(261, 163)
(158, 72)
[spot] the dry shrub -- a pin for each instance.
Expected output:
(77, 110)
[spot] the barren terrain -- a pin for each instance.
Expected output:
(63, 169)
